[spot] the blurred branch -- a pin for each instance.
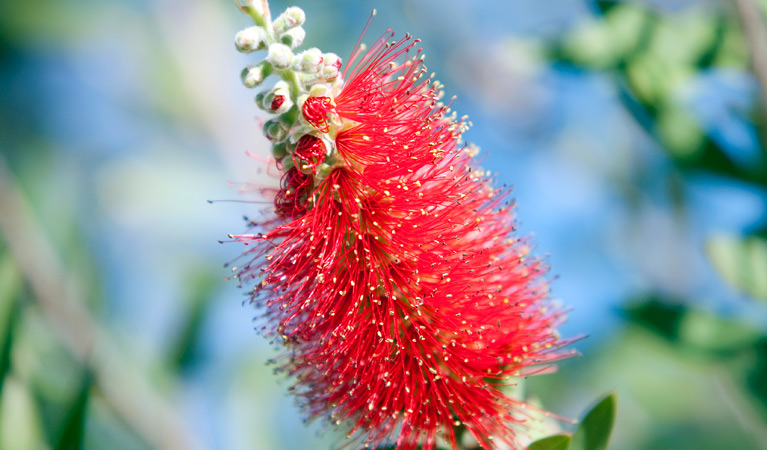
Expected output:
(125, 389)
(755, 30)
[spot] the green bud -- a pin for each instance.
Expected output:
(254, 75)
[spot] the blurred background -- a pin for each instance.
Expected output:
(634, 134)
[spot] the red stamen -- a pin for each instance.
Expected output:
(310, 149)
(316, 112)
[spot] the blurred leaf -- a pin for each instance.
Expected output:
(185, 351)
(594, 431)
(699, 330)
(9, 314)
(556, 442)
(712, 333)
(680, 132)
(607, 42)
(662, 317)
(757, 378)
(742, 262)
(72, 436)
(20, 426)
(685, 38)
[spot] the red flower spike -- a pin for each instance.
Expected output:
(402, 299)
(316, 111)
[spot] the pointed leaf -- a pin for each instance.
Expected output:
(185, 351)
(594, 431)
(742, 262)
(556, 442)
(10, 310)
(72, 435)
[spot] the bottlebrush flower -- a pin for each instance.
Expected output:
(388, 269)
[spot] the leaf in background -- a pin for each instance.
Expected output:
(662, 317)
(9, 314)
(696, 329)
(680, 132)
(556, 442)
(757, 378)
(72, 436)
(742, 262)
(594, 431)
(20, 425)
(185, 350)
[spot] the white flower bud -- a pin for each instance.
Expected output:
(255, 74)
(255, 4)
(329, 73)
(292, 17)
(294, 37)
(250, 39)
(320, 90)
(277, 101)
(308, 61)
(331, 59)
(280, 56)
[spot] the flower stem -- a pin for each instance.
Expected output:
(290, 77)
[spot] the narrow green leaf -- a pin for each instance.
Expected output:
(556, 442)
(185, 350)
(9, 311)
(72, 436)
(757, 376)
(742, 262)
(594, 431)
(20, 420)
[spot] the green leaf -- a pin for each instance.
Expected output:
(742, 262)
(9, 311)
(185, 350)
(20, 421)
(662, 317)
(756, 378)
(556, 442)
(72, 436)
(594, 431)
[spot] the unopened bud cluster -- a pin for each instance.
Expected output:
(304, 129)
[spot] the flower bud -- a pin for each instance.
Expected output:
(280, 56)
(291, 18)
(294, 37)
(331, 59)
(275, 130)
(277, 101)
(320, 90)
(250, 39)
(279, 150)
(308, 61)
(329, 73)
(254, 75)
(255, 4)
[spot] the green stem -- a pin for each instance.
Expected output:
(259, 19)
(290, 77)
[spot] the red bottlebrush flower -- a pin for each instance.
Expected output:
(392, 277)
